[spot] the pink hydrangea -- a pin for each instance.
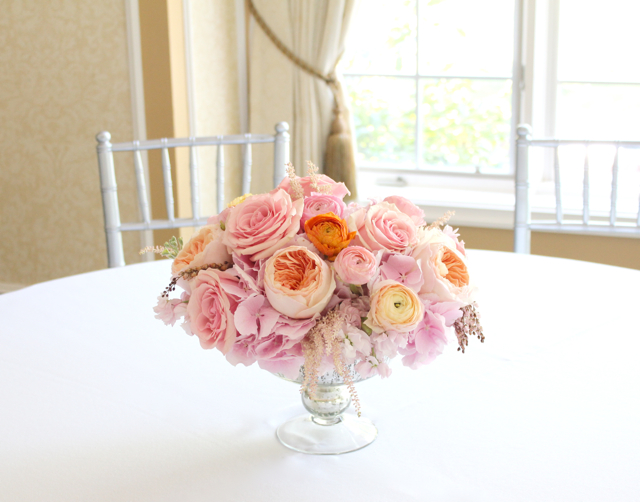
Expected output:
(266, 336)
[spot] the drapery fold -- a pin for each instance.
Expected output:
(317, 35)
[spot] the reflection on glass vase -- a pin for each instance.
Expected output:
(328, 430)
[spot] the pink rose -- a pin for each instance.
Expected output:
(355, 265)
(262, 224)
(298, 283)
(211, 308)
(319, 203)
(338, 189)
(455, 236)
(383, 227)
(408, 208)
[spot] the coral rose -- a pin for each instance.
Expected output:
(394, 307)
(262, 224)
(329, 233)
(211, 308)
(298, 283)
(384, 227)
(356, 265)
(444, 268)
(204, 248)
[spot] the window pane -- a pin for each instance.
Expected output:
(383, 112)
(466, 123)
(382, 38)
(466, 37)
(598, 111)
(597, 41)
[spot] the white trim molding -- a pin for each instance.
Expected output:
(136, 84)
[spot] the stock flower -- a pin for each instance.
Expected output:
(408, 208)
(394, 307)
(444, 268)
(262, 224)
(320, 203)
(383, 227)
(204, 248)
(403, 269)
(355, 265)
(329, 233)
(338, 189)
(211, 308)
(297, 282)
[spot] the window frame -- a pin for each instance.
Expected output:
(517, 86)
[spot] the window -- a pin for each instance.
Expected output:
(430, 87)
(429, 83)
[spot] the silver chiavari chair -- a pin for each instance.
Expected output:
(611, 224)
(112, 224)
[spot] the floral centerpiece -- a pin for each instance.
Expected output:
(297, 277)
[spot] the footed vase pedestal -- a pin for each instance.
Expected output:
(327, 430)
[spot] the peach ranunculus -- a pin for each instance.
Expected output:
(204, 248)
(384, 227)
(329, 233)
(444, 268)
(262, 224)
(394, 307)
(298, 283)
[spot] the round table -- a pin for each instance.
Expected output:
(100, 401)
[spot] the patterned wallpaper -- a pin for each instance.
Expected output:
(63, 77)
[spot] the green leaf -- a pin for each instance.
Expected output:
(365, 328)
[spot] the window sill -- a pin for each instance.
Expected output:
(477, 202)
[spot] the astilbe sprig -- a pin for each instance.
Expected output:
(170, 249)
(323, 339)
(468, 325)
(294, 182)
(312, 172)
(442, 221)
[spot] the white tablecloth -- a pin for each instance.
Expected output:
(100, 401)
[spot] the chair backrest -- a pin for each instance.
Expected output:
(112, 224)
(610, 224)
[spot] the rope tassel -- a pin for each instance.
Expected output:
(339, 160)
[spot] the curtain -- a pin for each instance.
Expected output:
(315, 31)
(319, 29)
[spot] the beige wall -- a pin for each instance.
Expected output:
(63, 77)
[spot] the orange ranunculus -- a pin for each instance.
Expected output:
(329, 233)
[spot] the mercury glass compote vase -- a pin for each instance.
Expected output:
(327, 430)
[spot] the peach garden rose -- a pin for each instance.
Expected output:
(298, 283)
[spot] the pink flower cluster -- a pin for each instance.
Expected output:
(399, 285)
